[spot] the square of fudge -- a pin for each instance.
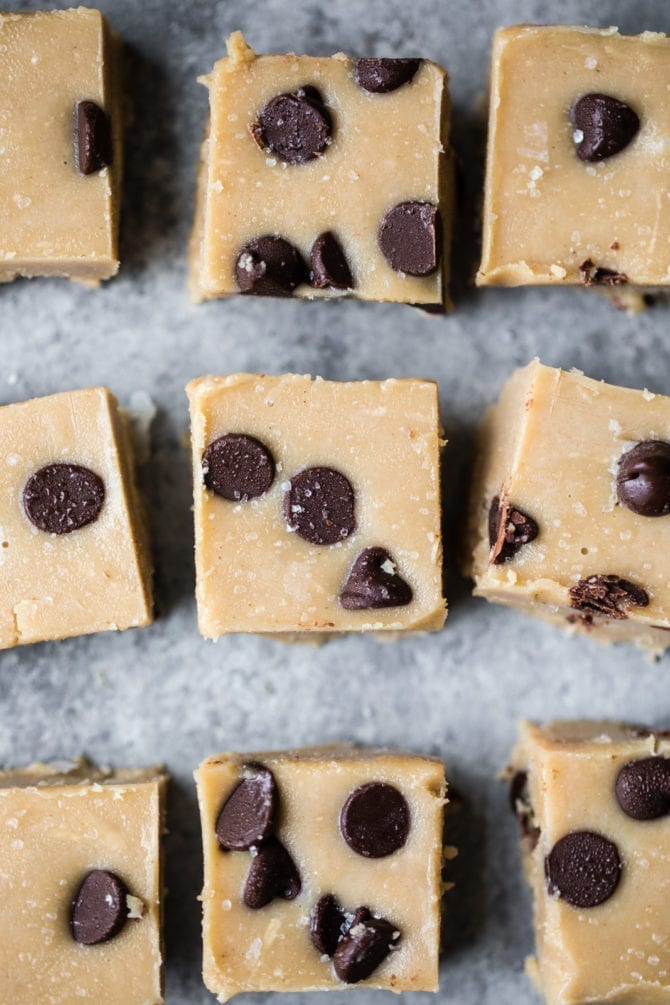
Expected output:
(60, 149)
(322, 869)
(577, 188)
(73, 539)
(570, 510)
(592, 802)
(317, 504)
(80, 885)
(324, 176)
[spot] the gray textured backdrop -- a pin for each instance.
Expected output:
(163, 693)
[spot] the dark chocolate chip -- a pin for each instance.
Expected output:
(319, 506)
(409, 238)
(509, 529)
(365, 946)
(238, 467)
(326, 924)
(594, 275)
(269, 266)
(583, 868)
(99, 909)
(93, 138)
(374, 582)
(60, 498)
(383, 75)
(329, 264)
(249, 814)
(643, 479)
(273, 874)
(607, 595)
(607, 126)
(295, 127)
(643, 788)
(375, 820)
(520, 804)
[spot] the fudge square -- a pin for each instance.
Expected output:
(570, 511)
(324, 176)
(60, 145)
(592, 800)
(317, 504)
(80, 885)
(322, 869)
(577, 187)
(74, 553)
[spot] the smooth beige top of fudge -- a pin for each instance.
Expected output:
(55, 826)
(386, 149)
(55, 220)
(620, 950)
(253, 574)
(94, 578)
(546, 211)
(270, 948)
(552, 444)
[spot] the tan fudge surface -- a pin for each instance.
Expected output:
(618, 951)
(386, 149)
(270, 948)
(56, 221)
(253, 575)
(546, 211)
(551, 446)
(97, 577)
(55, 827)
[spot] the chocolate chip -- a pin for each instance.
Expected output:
(643, 788)
(364, 947)
(375, 820)
(329, 264)
(99, 909)
(409, 236)
(520, 805)
(93, 138)
(583, 868)
(509, 529)
(60, 498)
(374, 582)
(249, 814)
(607, 126)
(238, 467)
(593, 275)
(319, 506)
(383, 75)
(326, 924)
(295, 127)
(273, 873)
(607, 595)
(643, 479)
(269, 266)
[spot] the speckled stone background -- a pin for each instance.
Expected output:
(162, 693)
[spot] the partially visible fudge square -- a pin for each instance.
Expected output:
(576, 185)
(74, 548)
(81, 885)
(61, 149)
(317, 504)
(322, 177)
(592, 801)
(570, 511)
(322, 870)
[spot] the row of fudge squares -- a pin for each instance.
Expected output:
(318, 509)
(324, 868)
(324, 177)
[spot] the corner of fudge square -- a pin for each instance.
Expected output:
(570, 505)
(577, 189)
(323, 869)
(593, 807)
(317, 505)
(324, 177)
